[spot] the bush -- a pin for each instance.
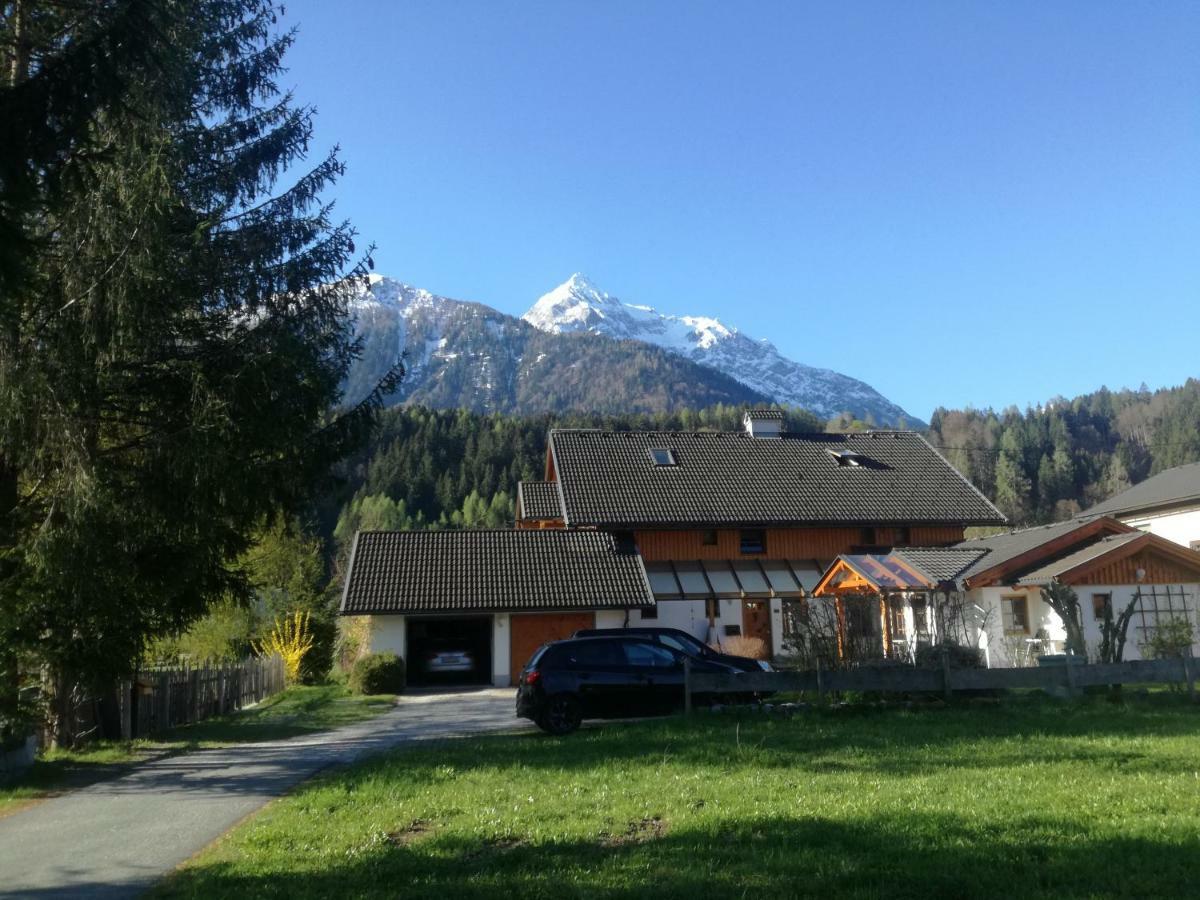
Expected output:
(960, 657)
(378, 673)
(1170, 640)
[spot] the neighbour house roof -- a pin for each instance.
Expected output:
(538, 500)
(1107, 550)
(1011, 552)
(1174, 487)
(492, 571)
(1028, 556)
(612, 479)
(1085, 555)
(771, 414)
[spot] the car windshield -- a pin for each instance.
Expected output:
(687, 644)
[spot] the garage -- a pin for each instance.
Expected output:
(531, 631)
(471, 606)
(447, 650)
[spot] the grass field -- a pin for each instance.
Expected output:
(295, 711)
(1032, 798)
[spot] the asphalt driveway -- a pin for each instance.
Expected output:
(116, 838)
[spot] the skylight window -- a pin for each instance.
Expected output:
(662, 456)
(848, 458)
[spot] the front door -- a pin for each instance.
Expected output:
(756, 623)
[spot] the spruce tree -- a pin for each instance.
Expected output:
(174, 346)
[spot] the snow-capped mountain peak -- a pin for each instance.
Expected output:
(579, 305)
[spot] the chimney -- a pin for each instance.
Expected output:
(763, 423)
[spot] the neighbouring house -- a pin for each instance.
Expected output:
(731, 530)
(491, 596)
(1166, 504)
(988, 591)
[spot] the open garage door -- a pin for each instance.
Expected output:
(531, 631)
(450, 650)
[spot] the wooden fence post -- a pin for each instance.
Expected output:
(1072, 692)
(124, 689)
(687, 686)
(947, 691)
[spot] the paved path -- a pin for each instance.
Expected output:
(116, 838)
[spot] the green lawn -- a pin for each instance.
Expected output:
(1030, 798)
(295, 711)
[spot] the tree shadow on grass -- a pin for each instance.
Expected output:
(917, 855)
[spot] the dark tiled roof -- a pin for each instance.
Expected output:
(1000, 548)
(941, 564)
(539, 500)
(492, 571)
(730, 478)
(1170, 488)
(1047, 573)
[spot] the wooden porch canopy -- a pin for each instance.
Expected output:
(873, 574)
(711, 578)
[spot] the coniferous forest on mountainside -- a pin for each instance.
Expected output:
(452, 468)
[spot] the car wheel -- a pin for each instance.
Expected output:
(561, 716)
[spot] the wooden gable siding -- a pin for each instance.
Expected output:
(540, 523)
(822, 544)
(1159, 570)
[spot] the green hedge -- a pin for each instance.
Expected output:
(378, 673)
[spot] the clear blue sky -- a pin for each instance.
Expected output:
(958, 202)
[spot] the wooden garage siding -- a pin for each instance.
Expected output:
(529, 631)
(823, 544)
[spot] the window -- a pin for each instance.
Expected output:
(708, 537)
(662, 456)
(754, 540)
(1101, 606)
(596, 653)
(1015, 611)
(1195, 545)
(647, 655)
(712, 608)
(687, 645)
(920, 615)
(866, 537)
(901, 537)
(650, 613)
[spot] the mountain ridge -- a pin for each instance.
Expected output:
(581, 348)
(579, 305)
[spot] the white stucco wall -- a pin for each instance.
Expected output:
(1000, 648)
(501, 649)
(388, 635)
(1181, 526)
(613, 618)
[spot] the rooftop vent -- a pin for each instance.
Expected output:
(763, 423)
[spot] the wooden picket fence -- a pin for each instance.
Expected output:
(1065, 679)
(160, 699)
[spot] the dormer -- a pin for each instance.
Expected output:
(763, 423)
